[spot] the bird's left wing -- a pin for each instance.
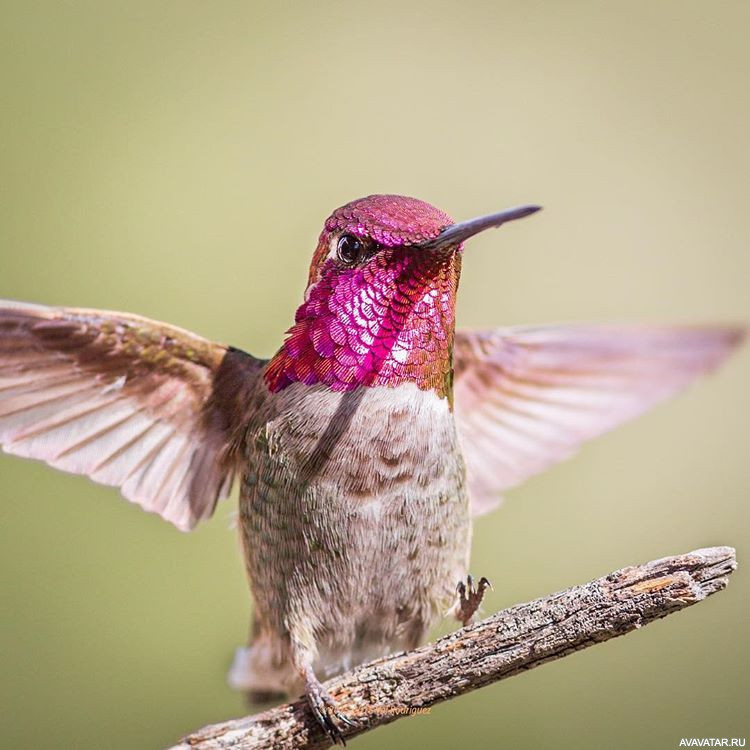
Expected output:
(526, 398)
(143, 406)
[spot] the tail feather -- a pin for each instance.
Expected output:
(261, 672)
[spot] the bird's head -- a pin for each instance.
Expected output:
(379, 308)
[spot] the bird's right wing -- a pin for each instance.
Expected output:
(143, 406)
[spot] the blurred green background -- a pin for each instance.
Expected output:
(177, 159)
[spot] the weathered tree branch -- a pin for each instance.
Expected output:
(511, 641)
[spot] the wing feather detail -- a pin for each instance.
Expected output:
(143, 406)
(526, 398)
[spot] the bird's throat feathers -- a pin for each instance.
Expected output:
(387, 322)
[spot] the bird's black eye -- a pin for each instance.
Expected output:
(349, 249)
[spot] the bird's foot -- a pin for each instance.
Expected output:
(324, 708)
(470, 597)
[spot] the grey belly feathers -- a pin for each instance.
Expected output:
(355, 523)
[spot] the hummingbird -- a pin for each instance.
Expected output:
(363, 448)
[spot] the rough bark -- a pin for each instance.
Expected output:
(511, 641)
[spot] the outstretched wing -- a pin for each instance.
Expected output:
(526, 398)
(143, 406)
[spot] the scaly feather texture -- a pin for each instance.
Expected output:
(387, 321)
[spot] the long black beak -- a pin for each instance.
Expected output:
(452, 236)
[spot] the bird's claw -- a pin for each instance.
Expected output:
(326, 713)
(470, 597)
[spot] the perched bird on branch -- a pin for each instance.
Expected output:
(363, 447)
